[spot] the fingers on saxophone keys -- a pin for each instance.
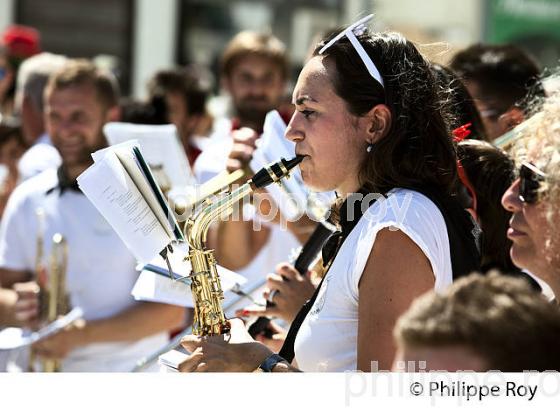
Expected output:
(202, 368)
(191, 363)
(191, 342)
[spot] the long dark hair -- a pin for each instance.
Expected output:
(418, 150)
(460, 101)
(490, 172)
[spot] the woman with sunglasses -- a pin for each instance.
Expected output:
(369, 122)
(534, 197)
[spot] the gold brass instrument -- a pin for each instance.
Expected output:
(209, 318)
(54, 297)
(58, 303)
(184, 202)
(39, 275)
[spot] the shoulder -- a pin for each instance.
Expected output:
(38, 158)
(40, 152)
(417, 219)
(37, 185)
(402, 208)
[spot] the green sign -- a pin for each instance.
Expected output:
(531, 24)
(510, 19)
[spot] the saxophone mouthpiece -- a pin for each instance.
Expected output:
(275, 171)
(294, 161)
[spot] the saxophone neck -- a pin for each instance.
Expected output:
(197, 227)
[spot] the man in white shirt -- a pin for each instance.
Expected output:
(79, 100)
(31, 81)
(254, 71)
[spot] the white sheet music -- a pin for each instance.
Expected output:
(160, 146)
(15, 337)
(272, 146)
(112, 191)
(172, 360)
(159, 287)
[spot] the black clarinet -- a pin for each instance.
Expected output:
(307, 255)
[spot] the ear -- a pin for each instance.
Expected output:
(113, 114)
(379, 121)
(510, 119)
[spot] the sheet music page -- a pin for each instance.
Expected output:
(172, 360)
(160, 146)
(160, 197)
(129, 162)
(291, 198)
(155, 285)
(126, 152)
(16, 337)
(108, 185)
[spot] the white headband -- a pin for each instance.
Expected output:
(357, 29)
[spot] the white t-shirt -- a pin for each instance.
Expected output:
(40, 157)
(100, 271)
(328, 337)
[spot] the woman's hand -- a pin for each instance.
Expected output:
(234, 352)
(275, 337)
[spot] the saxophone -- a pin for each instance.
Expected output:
(209, 318)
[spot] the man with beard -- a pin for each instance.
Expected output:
(254, 71)
(117, 331)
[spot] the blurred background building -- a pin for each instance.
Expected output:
(138, 37)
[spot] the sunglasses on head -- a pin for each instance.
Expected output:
(530, 180)
(352, 33)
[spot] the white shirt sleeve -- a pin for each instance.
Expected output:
(418, 218)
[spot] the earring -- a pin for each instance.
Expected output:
(369, 148)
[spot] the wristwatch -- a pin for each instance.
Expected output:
(268, 364)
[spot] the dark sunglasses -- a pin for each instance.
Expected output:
(530, 180)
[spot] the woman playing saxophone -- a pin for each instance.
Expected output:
(370, 123)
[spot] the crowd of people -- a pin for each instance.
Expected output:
(445, 253)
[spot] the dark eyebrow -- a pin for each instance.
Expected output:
(303, 99)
